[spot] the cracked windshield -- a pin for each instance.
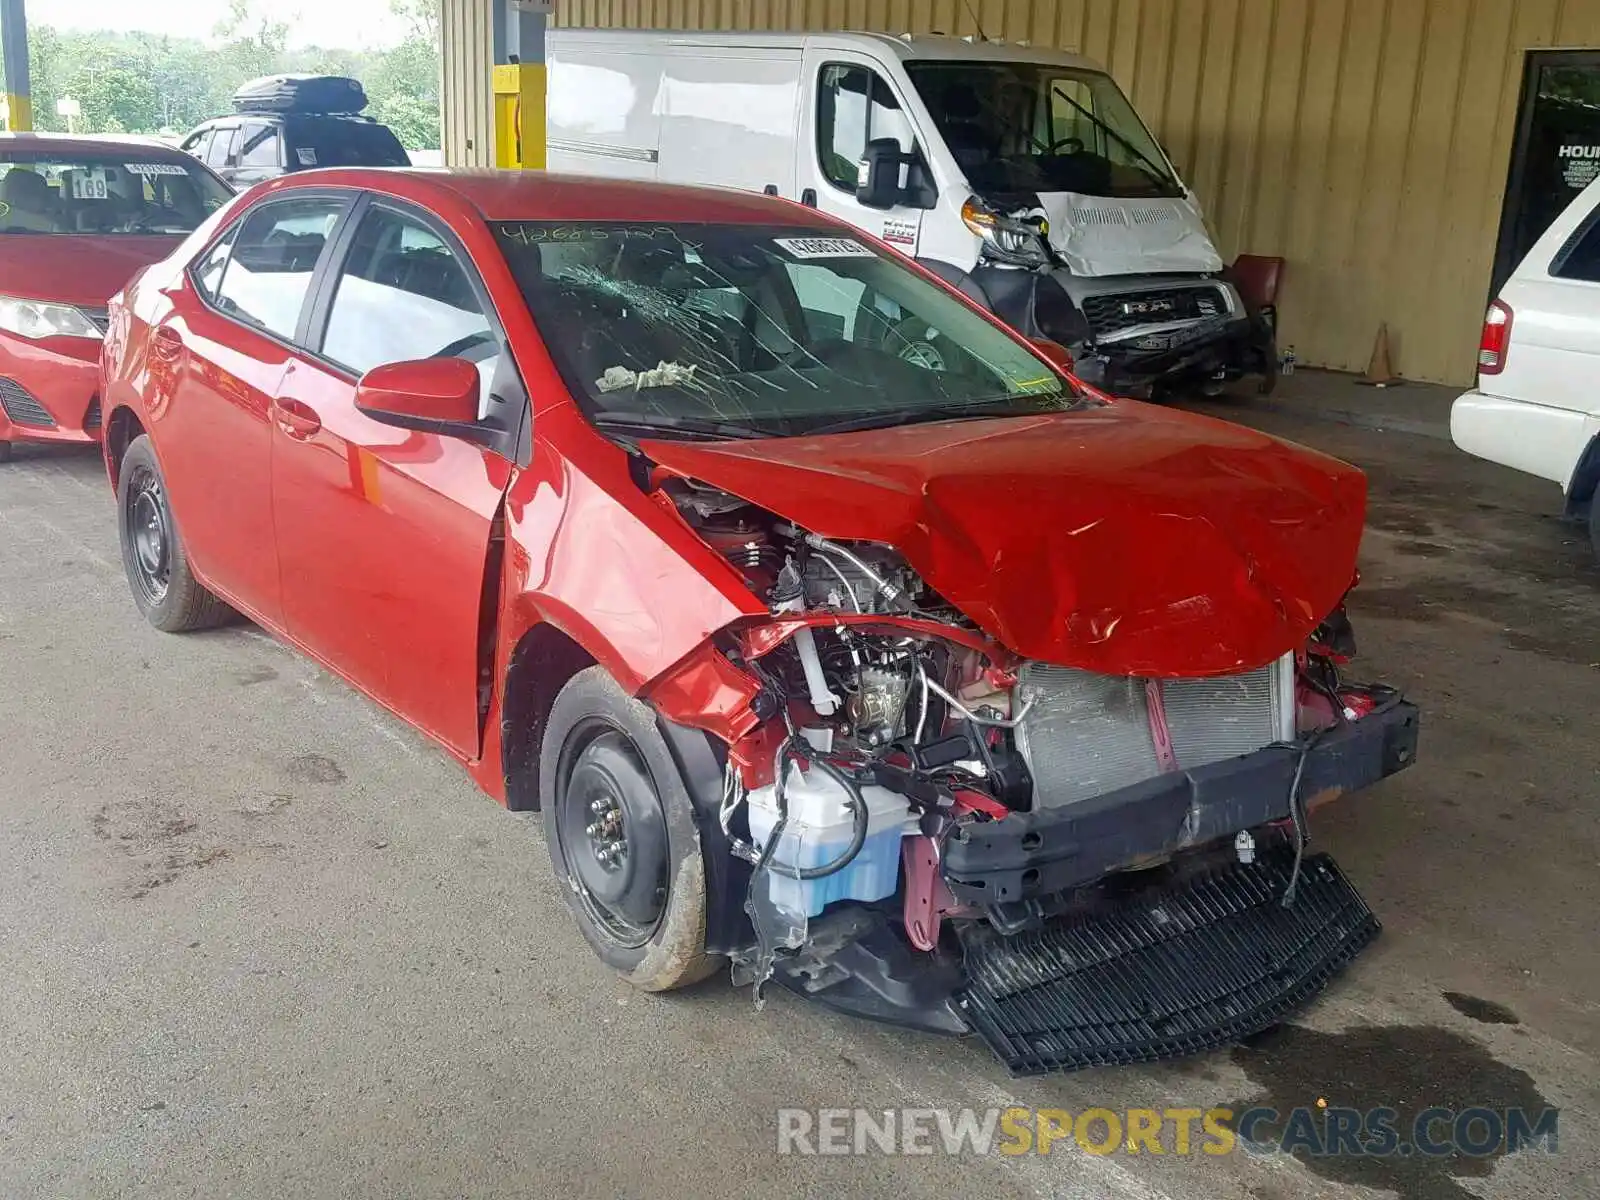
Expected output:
(736, 331)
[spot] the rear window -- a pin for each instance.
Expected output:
(332, 142)
(134, 192)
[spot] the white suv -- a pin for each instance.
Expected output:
(1537, 403)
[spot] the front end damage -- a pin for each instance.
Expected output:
(907, 820)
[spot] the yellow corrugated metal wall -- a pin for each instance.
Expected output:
(1367, 141)
(468, 54)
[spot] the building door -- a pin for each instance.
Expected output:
(1557, 151)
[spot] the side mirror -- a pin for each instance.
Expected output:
(879, 175)
(1055, 354)
(431, 395)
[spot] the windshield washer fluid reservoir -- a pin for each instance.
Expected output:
(819, 830)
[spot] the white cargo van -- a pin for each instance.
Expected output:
(1022, 176)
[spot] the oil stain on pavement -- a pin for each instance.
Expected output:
(1406, 1068)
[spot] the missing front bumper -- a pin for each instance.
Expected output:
(1178, 971)
(1005, 865)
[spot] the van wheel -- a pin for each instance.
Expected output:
(153, 558)
(1594, 524)
(620, 828)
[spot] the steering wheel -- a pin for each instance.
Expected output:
(1066, 145)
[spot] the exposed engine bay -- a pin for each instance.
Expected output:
(930, 823)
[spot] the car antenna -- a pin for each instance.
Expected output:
(973, 13)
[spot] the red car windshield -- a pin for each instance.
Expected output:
(745, 331)
(95, 192)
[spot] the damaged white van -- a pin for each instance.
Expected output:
(1022, 176)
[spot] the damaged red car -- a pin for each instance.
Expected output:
(837, 633)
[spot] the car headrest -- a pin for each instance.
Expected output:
(25, 190)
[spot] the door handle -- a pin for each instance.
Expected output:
(297, 420)
(165, 343)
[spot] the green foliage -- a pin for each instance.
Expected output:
(141, 83)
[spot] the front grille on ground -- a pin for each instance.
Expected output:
(91, 417)
(1186, 969)
(1087, 734)
(21, 407)
(1108, 314)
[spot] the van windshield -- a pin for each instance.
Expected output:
(1031, 127)
(742, 331)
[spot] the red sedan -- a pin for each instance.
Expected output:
(78, 218)
(835, 630)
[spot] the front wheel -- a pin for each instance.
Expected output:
(620, 828)
(5, 451)
(1594, 524)
(153, 558)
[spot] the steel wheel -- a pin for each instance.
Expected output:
(612, 833)
(149, 530)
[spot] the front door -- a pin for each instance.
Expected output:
(1557, 151)
(383, 533)
(851, 103)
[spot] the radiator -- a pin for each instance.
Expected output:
(1087, 734)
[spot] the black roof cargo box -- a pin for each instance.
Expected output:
(301, 93)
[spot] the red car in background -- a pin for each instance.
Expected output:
(78, 218)
(835, 630)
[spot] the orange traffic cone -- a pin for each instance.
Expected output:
(1379, 372)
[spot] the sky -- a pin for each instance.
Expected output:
(346, 24)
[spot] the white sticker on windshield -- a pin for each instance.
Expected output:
(89, 184)
(157, 168)
(823, 247)
(307, 156)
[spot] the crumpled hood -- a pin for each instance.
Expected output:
(1129, 539)
(77, 268)
(1096, 235)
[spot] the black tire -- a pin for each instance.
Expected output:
(5, 451)
(153, 558)
(1594, 524)
(645, 916)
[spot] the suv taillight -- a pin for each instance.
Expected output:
(1496, 339)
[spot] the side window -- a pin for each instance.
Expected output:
(854, 106)
(259, 147)
(221, 143)
(403, 294)
(197, 143)
(274, 254)
(207, 273)
(1581, 257)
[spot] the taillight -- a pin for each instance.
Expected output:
(1496, 340)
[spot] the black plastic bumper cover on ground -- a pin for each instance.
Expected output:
(1175, 972)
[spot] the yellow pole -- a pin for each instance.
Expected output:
(14, 43)
(519, 83)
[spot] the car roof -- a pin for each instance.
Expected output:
(68, 143)
(543, 196)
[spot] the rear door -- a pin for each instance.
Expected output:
(849, 102)
(384, 534)
(260, 153)
(219, 358)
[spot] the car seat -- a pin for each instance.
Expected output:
(30, 204)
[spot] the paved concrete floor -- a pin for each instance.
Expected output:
(257, 940)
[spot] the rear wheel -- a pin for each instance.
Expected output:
(153, 558)
(620, 828)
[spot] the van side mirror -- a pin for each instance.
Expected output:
(878, 183)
